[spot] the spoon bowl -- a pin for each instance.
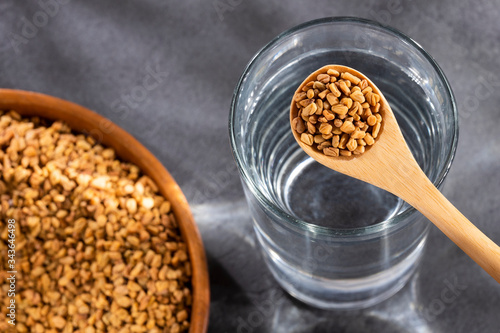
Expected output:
(390, 165)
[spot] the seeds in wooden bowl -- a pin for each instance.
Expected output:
(98, 249)
(337, 113)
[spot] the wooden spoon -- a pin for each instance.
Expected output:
(389, 164)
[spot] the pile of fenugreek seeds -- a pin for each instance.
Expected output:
(98, 249)
(338, 113)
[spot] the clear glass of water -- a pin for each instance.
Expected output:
(330, 240)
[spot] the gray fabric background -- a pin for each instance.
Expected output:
(99, 53)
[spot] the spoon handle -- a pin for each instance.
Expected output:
(427, 199)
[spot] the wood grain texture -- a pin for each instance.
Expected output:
(129, 149)
(390, 165)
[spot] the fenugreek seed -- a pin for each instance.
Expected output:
(318, 139)
(327, 136)
(376, 130)
(356, 117)
(345, 89)
(379, 117)
(335, 91)
(369, 139)
(322, 119)
(372, 98)
(328, 115)
(300, 96)
(358, 123)
(330, 151)
(339, 109)
(365, 127)
(332, 99)
(352, 144)
(311, 128)
(323, 78)
(326, 105)
(313, 119)
(307, 139)
(342, 116)
(324, 144)
(319, 104)
(131, 205)
(323, 94)
(354, 109)
(365, 105)
(318, 85)
(306, 102)
(335, 141)
(333, 72)
(361, 142)
(325, 128)
(338, 122)
(336, 131)
(310, 109)
(366, 90)
(353, 79)
(58, 322)
(359, 150)
(298, 125)
(343, 141)
(344, 152)
(333, 79)
(304, 117)
(376, 108)
(347, 102)
(347, 127)
(371, 120)
(357, 96)
(367, 114)
(355, 88)
(363, 84)
(358, 134)
(310, 93)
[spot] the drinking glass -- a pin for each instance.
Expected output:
(332, 241)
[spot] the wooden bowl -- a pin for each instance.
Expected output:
(129, 149)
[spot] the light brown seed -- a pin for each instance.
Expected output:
(338, 122)
(363, 84)
(332, 99)
(313, 119)
(325, 128)
(323, 94)
(347, 102)
(376, 130)
(306, 102)
(323, 78)
(359, 150)
(361, 142)
(357, 96)
(300, 96)
(311, 129)
(335, 91)
(298, 125)
(376, 108)
(379, 117)
(310, 93)
(366, 90)
(318, 85)
(307, 139)
(348, 76)
(344, 152)
(358, 134)
(319, 104)
(333, 72)
(330, 151)
(343, 86)
(343, 140)
(369, 139)
(347, 127)
(319, 139)
(327, 136)
(335, 141)
(371, 120)
(324, 144)
(310, 109)
(351, 144)
(339, 109)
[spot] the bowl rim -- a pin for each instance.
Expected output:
(372, 230)
(85, 121)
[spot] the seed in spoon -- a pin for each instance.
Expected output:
(340, 106)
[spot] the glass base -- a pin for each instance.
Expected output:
(341, 294)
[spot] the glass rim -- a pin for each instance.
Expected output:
(382, 226)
